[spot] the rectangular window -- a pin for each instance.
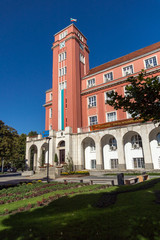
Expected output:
(93, 164)
(114, 163)
(91, 82)
(150, 62)
(50, 127)
(127, 70)
(62, 56)
(82, 58)
(138, 163)
(111, 117)
(108, 77)
(62, 71)
(93, 120)
(50, 113)
(92, 101)
(51, 96)
(62, 35)
(80, 37)
(106, 96)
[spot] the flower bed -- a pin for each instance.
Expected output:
(76, 173)
(30, 190)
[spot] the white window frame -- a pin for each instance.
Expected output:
(112, 144)
(93, 102)
(91, 84)
(63, 85)
(82, 58)
(136, 142)
(50, 112)
(124, 73)
(93, 164)
(114, 165)
(62, 71)
(148, 59)
(109, 113)
(139, 163)
(50, 127)
(51, 96)
(62, 56)
(63, 34)
(107, 80)
(80, 36)
(89, 120)
(105, 95)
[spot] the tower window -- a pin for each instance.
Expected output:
(63, 34)
(62, 56)
(82, 58)
(62, 71)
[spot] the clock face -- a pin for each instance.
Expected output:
(62, 44)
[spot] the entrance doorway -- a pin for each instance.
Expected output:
(61, 148)
(62, 156)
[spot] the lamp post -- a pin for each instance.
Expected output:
(49, 138)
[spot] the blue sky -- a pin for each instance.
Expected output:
(27, 27)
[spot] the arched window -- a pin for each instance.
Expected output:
(136, 141)
(62, 144)
(112, 144)
(158, 139)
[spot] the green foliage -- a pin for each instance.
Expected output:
(12, 146)
(142, 98)
(68, 166)
(32, 134)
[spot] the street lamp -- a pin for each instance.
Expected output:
(49, 138)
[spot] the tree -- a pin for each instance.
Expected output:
(12, 146)
(32, 134)
(142, 98)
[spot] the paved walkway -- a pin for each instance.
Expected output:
(15, 178)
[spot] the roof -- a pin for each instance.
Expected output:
(125, 58)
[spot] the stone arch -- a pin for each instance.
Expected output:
(133, 150)
(33, 151)
(61, 150)
(88, 149)
(109, 151)
(154, 141)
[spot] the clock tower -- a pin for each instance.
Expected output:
(70, 65)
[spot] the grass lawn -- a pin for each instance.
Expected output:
(134, 216)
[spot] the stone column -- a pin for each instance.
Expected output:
(146, 148)
(68, 142)
(99, 163)
(120, 149)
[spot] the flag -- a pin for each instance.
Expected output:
(73, 20)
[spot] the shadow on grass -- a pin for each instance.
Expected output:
(134, 216)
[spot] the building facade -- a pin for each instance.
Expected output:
(80, 122)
